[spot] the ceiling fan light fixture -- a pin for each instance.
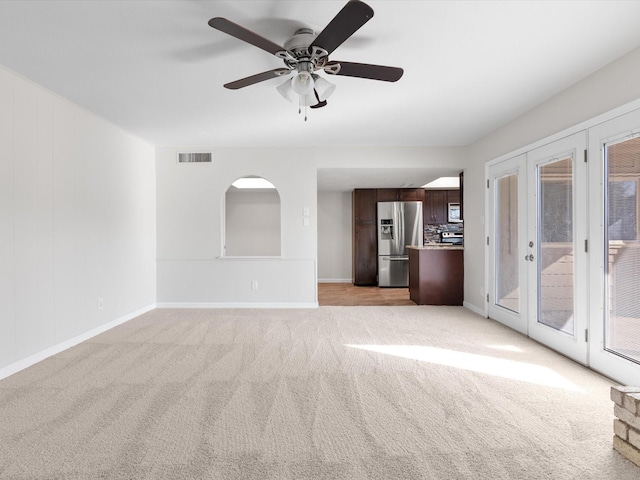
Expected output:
(308, 100)
(324, 87)
(303, 83)
(286, 90)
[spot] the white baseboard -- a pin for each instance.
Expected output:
(474, 309)
(62, 346)
(335, 280)
(234, 305)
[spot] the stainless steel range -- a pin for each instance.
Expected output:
(452, 238)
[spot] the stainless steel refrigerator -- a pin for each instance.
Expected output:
(399, 225)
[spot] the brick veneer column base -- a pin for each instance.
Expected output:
(626, 427)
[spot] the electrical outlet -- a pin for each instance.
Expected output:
(254, 284)
(100, 304)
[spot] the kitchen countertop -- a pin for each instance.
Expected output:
(438, 246)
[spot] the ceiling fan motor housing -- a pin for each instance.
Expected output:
(301, 39)
(297, 54)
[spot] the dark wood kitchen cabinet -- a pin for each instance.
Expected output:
(436, 276)
(411, 194)
(461, 192)
(365, 241)
(453, 196)
(364, 205)
(387, 194)
(435, 206)
(400, 194)
(365, 255)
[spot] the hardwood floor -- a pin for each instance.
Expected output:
(346, 294)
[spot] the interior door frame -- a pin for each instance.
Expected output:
(575, 345)
(617, 129)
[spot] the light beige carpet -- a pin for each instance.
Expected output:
(334, 393)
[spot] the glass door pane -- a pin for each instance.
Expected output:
(622, 250)
(507, 300)
(557, 253)
(555, 246)
(507, 277)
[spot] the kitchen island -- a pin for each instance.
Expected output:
(436, 274)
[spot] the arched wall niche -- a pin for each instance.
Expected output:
(252, 218)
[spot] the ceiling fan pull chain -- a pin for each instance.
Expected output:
(300, 107)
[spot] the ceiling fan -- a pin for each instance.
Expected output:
(306, 53)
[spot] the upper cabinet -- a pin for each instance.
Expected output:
(364, 205)
(411, 194)
(436, 203)
(435, 206)
(400, 194)
(453, 196)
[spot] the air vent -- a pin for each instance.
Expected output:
(195, 157)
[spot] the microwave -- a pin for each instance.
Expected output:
(453, 215)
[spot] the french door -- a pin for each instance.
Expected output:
(537, 260)
(563, 239)
(615, 254)
(556, 260)
(507, 286)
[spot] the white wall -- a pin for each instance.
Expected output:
(603, 91)
(190, 230)
(77, 216)
(334, 237)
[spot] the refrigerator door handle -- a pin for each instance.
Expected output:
(400, 245)
(398, 259)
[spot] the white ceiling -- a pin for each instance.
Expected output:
(156, 68)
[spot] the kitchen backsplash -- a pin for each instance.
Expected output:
(432, 232)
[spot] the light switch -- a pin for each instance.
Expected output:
(305, 221)
(305, 211)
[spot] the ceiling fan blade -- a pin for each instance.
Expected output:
(238, 31)
(348, 20)
(365, 70)
(257, 78)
